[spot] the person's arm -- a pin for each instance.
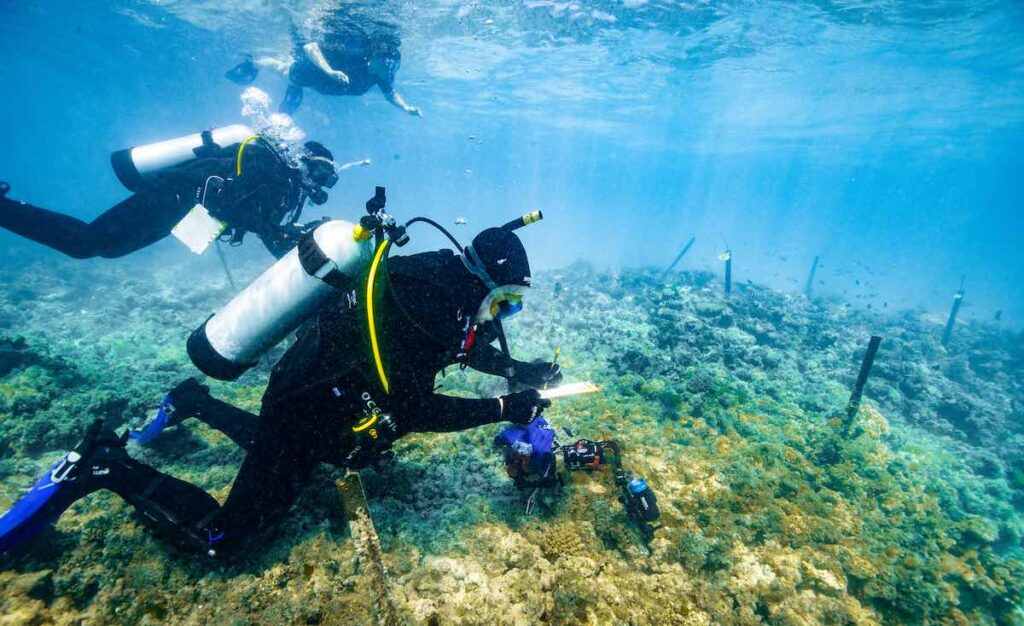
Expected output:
(316, 55)
(437, 413)
(396, 99)
(488, 359)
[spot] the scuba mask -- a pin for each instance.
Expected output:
(317, 173)
(501, 302)
(320, 171)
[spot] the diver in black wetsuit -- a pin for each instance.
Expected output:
(252, 190)
(327, 400)
(348, 58)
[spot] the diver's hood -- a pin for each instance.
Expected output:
(497, 257)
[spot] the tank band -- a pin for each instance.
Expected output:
(319, 265)
(210, 362)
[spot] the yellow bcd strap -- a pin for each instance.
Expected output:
(241, 149)
(371, 279)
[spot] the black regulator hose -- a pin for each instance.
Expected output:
(427, 220)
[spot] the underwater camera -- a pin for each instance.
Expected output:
(637, 497)
(531, 455)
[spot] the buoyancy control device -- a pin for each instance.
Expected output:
(132, 164)
(332, 256)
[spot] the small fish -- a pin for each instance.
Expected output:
(460, 221)
(856, 282)
(999, 315)
(725, 256)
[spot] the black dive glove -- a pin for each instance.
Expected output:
(523, 407)
(537, 375)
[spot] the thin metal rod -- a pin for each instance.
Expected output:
(679, 257)
(728, 274)
(810, 279)
(862, 378)
(224, 264)
(951, 322)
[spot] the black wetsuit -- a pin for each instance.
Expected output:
(346, 48)
(257, 201)
(324, 383)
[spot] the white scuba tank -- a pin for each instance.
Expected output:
(131, 164)
(332, 257)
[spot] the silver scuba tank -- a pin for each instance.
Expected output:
(332, 257)
(131, 164)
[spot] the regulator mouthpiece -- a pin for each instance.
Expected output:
(530, 218)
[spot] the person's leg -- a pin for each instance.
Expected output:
(292, 99)
(179, 511)
(281, 66)
(192, 399)
(279, 464)
(130, 225)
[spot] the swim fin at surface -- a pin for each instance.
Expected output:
(292, 99)
(243, 73)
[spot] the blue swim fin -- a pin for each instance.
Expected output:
(29, 515)
(243, 73)
(49, 497)
(292, 100)
(156, 426)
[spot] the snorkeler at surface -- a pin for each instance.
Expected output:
(327, 401)
(245, 187)
(347, 57)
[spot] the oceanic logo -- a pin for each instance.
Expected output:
(371, 406)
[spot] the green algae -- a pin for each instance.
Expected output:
(728, 409)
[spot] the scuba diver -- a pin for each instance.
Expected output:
(221, 184)
(359, 375)
(344, 59)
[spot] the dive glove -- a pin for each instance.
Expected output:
(523, 407)
(537, 375)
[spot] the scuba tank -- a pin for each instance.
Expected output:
(333, 256)
(132, 164)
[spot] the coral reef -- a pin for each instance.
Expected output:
(729, 407)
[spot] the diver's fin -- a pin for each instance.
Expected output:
(292, 100)
(243, 73)
(52, 494)
(30, 514)
(154, 427)
(4, 188)
(186, 400)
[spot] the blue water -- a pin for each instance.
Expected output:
(884, 136)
